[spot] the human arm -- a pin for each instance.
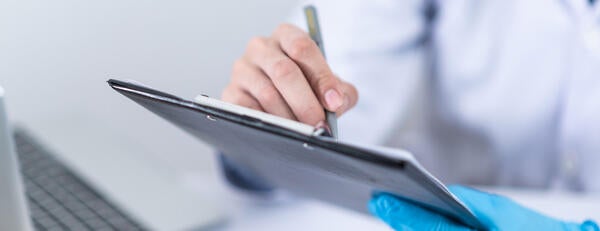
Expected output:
(376, 47)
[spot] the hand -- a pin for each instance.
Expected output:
(494, 211)
(286, 75)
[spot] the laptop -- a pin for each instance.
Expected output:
(41, 192)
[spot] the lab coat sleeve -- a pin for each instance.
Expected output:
(377, 45)
(241, 178)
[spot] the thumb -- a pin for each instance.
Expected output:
(337, 96)
(404, 215)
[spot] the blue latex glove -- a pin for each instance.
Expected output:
(494, 211)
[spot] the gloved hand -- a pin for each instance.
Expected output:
(494, 211)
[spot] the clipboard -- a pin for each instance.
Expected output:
(301, 159)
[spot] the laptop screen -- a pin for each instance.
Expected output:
(13, 212)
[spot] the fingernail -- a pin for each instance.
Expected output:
(333, 99)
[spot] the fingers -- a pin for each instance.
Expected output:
(286, 75)
(253, 82)
(288, 79)
(298, 45)
(350, 97)
(240, 97)
(403, 215)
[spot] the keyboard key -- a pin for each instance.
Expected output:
(97, 224)
(48, 222)
(58, 200)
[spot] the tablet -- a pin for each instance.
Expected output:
(291, 157)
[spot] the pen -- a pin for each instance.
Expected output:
(310, 12)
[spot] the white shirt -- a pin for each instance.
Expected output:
(504, 92)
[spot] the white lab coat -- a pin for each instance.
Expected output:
(504, 92)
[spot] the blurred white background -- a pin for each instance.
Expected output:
(55, 57)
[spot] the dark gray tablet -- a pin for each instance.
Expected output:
(290, 157)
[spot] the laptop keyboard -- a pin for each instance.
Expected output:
(59, 200)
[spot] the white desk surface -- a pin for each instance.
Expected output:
(311, 215)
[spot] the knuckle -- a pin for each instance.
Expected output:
(256, 43)
(300, 47)
(283, 68)
(284, 27)
(324, 81)
(229, 94)
(238, 67)
(268, 96)
(311, 114)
